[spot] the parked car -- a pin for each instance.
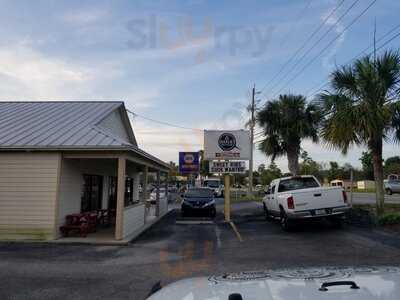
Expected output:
(258, 187)
(216, 185)
(367, 283)
(303, 197)
(392, 186)
(198, 201)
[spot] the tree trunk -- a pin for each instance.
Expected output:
(293, 161)
(377, 161)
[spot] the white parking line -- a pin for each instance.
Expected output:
(218, 235)
(236, 231)
(193, 222)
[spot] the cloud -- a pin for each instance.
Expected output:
(327, 60)
(35, 75)
(84, 16)
(165, 142)
(141, 99)
(28, 74)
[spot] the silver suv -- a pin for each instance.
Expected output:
(392, 186)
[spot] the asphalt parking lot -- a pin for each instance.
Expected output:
(169, 252)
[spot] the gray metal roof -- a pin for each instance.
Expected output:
(64, 125)
(56, 124)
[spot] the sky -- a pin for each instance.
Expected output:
(189, 63)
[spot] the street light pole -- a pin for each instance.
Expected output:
(252, 124)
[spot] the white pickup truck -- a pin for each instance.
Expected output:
(303, 197)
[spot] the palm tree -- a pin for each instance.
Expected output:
(285, 122)
(364, 109)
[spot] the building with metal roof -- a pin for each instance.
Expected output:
(59, 158)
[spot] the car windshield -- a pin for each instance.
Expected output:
(199, 193)
(213, 184)
(297, 184)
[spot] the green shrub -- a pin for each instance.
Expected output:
(389, 219)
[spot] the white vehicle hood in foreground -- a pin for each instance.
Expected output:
(381, 283)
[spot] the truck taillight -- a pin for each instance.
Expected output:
(344, 196)
(290, 202)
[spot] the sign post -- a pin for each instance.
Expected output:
(227, 194)
(227, 152)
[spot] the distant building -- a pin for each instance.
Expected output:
(365, 184)
(346, 184)
(393, 177)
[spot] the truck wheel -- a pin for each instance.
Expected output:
(266, 213)
(389, 191)
(285, 222)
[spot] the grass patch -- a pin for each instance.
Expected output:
(362, 191)
(389, 208)
(389, 219)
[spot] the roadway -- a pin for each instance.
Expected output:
(369, 198)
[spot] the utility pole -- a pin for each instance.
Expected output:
(252, 124)
(351, 187)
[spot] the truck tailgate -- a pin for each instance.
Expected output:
(316, 198)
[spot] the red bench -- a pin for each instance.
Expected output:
(76, 223)
(87, 222)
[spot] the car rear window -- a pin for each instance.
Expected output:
(213, 184)
(199, 193)
(297, 184)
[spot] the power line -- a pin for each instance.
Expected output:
(162, 122)
(304, 44)
(326, 47)
(298, 18)
(314, 45)
(312, 91)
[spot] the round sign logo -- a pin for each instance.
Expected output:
(188, 158)
(227, 141)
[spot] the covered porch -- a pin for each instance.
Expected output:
(117, 185)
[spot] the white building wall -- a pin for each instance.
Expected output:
(163, 205)
(71, 183)
(133, 219)
(28, 193)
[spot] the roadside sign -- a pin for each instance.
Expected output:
(189, 162)
(226, 144)
(227, 166)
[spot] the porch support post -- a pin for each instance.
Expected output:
(145, 181)
(166, 187)
(119, 223)
(144, 191)
(158, 194)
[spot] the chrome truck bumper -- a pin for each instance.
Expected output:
(319, 213)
